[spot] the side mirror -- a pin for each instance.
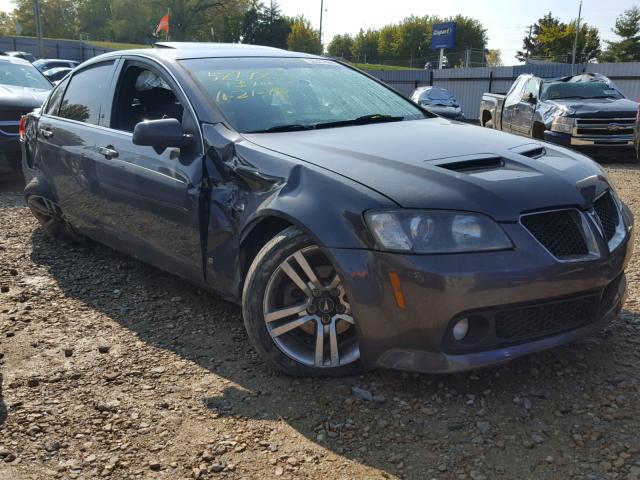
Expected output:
(161, 134)
(531, 99)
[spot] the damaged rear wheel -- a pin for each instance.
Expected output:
(48, 213)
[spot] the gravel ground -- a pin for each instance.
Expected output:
(113, 369)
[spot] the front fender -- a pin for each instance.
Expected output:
(250, 183)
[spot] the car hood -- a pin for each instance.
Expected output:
(435, 163)
(596, 107)
(21, 97)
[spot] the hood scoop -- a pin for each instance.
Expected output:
(531, 150)
(470, 164)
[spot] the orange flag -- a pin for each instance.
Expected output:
(164, 24)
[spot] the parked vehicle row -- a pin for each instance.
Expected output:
(356, 228)
(585, 112)
(22, 88)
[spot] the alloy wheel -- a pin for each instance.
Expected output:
(307, 312)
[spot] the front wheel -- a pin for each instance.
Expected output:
(296, 310)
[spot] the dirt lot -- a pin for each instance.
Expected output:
(113, 369)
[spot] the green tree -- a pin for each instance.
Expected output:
(303, 37)
(471, 35)
(265, 26)
(58, 17)
(94, 18)
(553, 40)
(628, 29)
(7, 24)
(341, 46)
(137, 28)
(365, 46)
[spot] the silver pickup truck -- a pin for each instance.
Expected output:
(586, 112)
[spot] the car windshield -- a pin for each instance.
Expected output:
(560, 90)
(272, 94)
(22, 75)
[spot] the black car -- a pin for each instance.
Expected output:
(22, 88)
(45, 64)
(356, 229)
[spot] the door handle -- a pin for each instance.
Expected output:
(108, 152)
(46, 133)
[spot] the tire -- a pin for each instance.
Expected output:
(488, 124)
(52, 221)
(285, 343)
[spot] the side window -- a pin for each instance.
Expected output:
(53, 105)
(143, 94)
(531, 88)
(85, 93)
(514, 94)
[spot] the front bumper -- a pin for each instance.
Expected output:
(594, 141)
(440, 288)
(9, 153)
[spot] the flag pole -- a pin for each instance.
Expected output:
(168, 25)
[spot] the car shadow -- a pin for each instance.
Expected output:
(417, 412)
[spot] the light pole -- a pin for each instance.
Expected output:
(320, 31)
(36, 7)
(575, 40)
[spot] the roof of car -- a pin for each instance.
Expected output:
(18, 60)
(186, 50)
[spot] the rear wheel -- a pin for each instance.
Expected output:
(48, 213)
(296, 310)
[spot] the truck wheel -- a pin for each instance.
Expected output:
(296, 311)
(48, 213)
(488, 124)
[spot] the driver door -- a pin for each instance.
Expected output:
(522, 120)
(512, 104)
(151, 198)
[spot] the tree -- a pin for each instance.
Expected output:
(94, 18)
(493, 57)
(303, 37)
(137, 28)
(365, 46)
(341, 46)
(265, 26)
(7, 24)
(553, 40)
(470, 34)
(57, 17)
(628, 49)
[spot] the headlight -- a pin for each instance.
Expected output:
(435, 231)
(563, 124)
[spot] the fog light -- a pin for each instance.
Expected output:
(461, 328)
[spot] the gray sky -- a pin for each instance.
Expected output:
(505, 20)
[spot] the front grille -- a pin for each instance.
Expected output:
(604, 126)
(607, 212)
(560, 232)
(13, 114)
(546, 319)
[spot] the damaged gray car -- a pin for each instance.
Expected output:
(356, 229)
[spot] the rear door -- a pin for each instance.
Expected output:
(149, 198)
(522, 120)
(512, 103)
(68, 132)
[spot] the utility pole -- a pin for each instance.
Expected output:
(320, 31)
(575, 40)
(36, 6)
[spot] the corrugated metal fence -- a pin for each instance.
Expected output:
(468, 84)
(67, 49)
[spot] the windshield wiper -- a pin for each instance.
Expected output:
(363, 120)
(292, 127)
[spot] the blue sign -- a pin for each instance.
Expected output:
(443, 35)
